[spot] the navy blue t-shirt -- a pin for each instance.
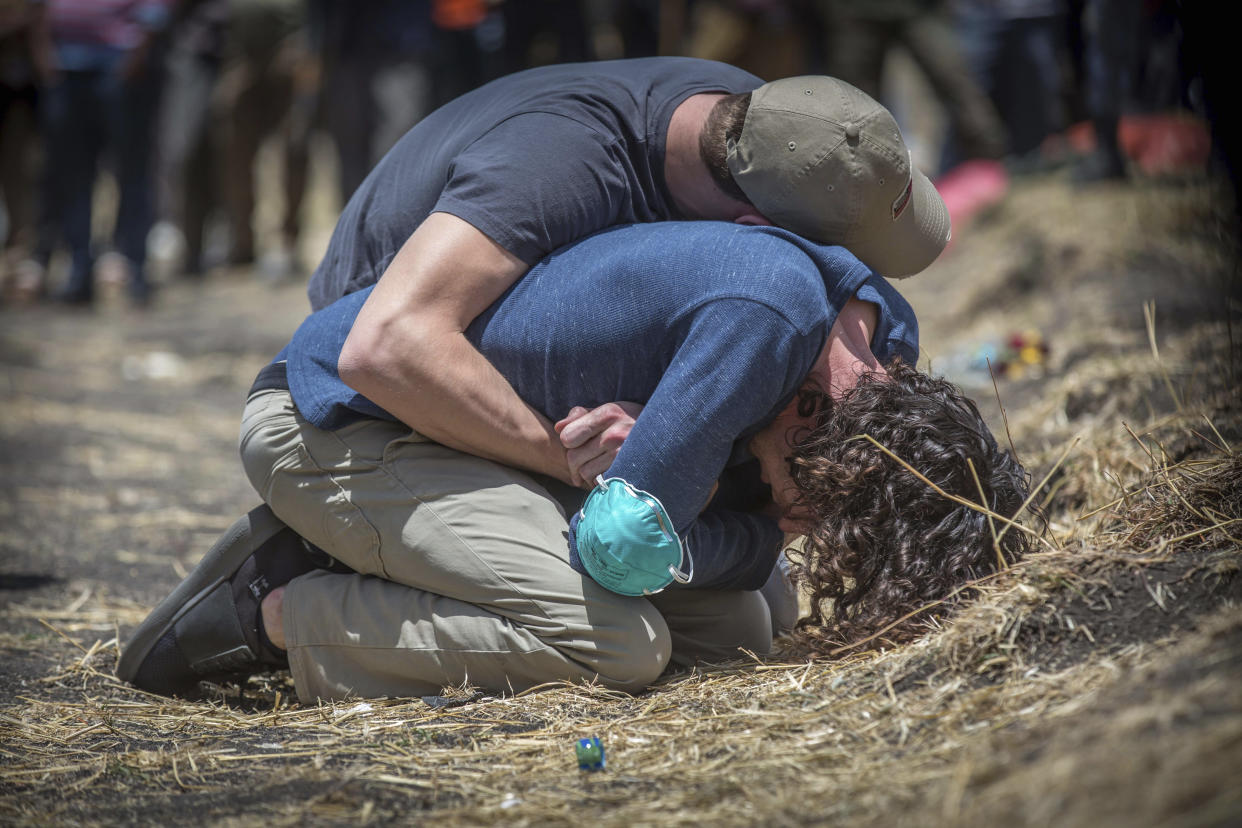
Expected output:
(712, 326)
(535, 160)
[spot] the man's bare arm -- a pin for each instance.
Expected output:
(408, 353)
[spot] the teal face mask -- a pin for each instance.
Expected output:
(627, 542)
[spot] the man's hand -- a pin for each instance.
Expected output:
(408, 353)
(592, 438)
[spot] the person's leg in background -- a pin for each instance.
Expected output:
(185, 160)
(48, 223)
(1034, 80)
(931, 41)
(17, 184)
(300, 102)
(132, 103)
(1016, 61)
(347, 114)
(255, 91)
(370, 102)
(1208, 52)
(979, 32)
(73, 116)
(1111, 28)
(199, 194)
(251, 117)
(977, 180)
(401, 91)
(856, 46)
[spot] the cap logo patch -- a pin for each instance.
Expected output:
(903, 200)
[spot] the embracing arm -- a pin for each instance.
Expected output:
(408, 353)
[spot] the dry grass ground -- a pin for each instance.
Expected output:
(1099, 682)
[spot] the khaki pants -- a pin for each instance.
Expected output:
(463, 572)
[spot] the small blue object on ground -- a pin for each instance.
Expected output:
(590, 754)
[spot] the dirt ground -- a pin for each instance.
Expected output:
(1099, 684)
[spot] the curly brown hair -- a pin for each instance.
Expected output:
(884, 543)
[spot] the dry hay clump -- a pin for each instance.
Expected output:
(1197, 501)
(1160, 563)
(1046, 696)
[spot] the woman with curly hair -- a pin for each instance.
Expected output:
(880, 471)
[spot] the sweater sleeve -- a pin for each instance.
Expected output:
(739, 365)
(736, 368)
(732, 550)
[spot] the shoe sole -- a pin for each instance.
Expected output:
(219, 564)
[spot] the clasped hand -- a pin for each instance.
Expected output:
(592, 437)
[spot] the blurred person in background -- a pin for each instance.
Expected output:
(765, 37)
(860, 36)
(376, 59)
(22, 31)
(1209, 56)
(269, 87)
(106, 73)
(1110, 58)
(539, 32)
(1016, 50)
(187, 162)
(469, 47)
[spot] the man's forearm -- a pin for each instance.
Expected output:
(407, 351)
(471, 407)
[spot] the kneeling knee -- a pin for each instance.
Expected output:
(634, 651)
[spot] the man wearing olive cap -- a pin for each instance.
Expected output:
(490, 183)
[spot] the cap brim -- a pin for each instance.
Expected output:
(914, 239)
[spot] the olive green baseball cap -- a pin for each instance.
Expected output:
(822, 158)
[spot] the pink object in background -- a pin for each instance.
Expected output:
(1158, 144)
(971, 187)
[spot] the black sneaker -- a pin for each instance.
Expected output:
(208, 629)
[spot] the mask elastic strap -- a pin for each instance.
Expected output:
(683, 577)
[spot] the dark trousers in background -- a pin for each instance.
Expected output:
(187, 161)
(269, 87)
(859, 39)
(369, 102)
(90, 114)
(261, 97)
(18, 135)
(1017, 62)
(1112, 32)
